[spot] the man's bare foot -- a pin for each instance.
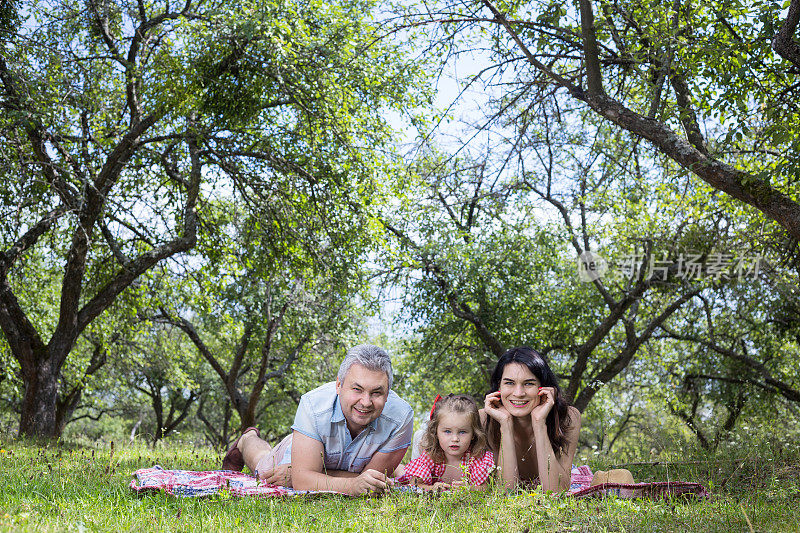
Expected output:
(234, 460)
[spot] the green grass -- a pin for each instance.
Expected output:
(67, 487)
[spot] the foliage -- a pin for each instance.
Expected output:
(124, 124)
(201, 201)
(550, 166)
(506, 247)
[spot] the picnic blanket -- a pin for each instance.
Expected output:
(582, 481)
(190, 483)
(194, 484)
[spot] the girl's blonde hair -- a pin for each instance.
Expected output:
(454, 403)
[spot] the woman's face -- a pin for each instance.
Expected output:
(519, 389)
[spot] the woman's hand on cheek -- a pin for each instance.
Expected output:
(493, 406)
(547, 399)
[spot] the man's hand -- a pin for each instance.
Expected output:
(369, 481)
(280, 475)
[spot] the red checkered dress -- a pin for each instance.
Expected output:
(428, 472)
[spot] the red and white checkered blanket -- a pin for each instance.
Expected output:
(190, 483)
(582, 480)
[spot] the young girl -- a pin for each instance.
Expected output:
(454, 448)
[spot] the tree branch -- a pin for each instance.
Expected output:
(218, 437)
(36, 136)
(184, 411)
(459, 309)
(548, 197)
(66, 403)
(105, 33)
(783, 388)
(591, 54)
(690, 422)
(736, 183)
(30, 237)
(23, 338)
(632, 344)
(106, 295)
(783, 43)
(132, 79)
(241, 350)
(190, 331)
(687, 114)
(501, 19)
(119, 255)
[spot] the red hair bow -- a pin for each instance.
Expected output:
(433, 408)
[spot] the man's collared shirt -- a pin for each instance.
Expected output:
(320, 417)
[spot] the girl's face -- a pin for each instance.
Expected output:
(454, 433)
(519, 389)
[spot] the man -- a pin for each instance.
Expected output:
(347, 435)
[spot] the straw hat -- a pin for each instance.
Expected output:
(618, 475)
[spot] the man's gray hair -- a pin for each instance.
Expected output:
(368, 356)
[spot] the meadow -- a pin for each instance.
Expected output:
(83, 486)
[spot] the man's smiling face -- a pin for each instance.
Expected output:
(362, 394)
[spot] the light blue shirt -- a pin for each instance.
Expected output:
(320, 417)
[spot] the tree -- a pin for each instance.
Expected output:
(269, 301)
(121, 119)
(704, 68)
(741, 347)
(484, 275)
(699, 82)
(157, 367)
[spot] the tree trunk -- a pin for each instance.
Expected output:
(64, 409)
(38, 417)
(247, 416)
(158, 409)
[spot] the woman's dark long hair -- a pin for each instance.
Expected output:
(558, 420)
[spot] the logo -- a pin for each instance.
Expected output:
(591, 266)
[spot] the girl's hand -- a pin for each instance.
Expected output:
(436, 487)
(493, 406)
(547, 399)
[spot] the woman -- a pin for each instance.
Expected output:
(532, 430)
